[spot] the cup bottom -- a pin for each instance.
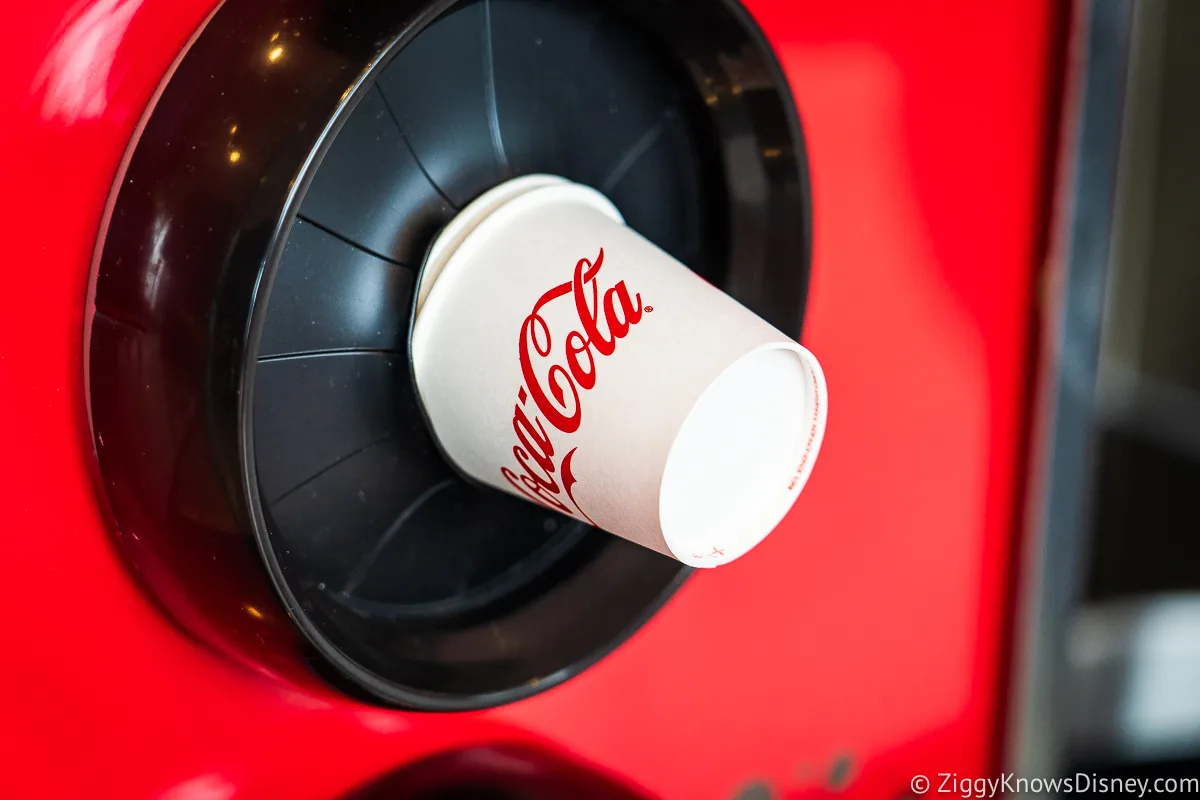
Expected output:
(741, 457)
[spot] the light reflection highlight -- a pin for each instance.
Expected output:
(75, 74)
(203, 787)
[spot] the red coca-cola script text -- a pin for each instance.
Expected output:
(554, 376)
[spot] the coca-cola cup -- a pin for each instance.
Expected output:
(562, 358)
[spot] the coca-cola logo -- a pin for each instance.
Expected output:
(555, 371)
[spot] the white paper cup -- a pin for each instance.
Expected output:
(564, 359)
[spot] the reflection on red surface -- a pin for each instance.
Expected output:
(74, 78)
(870, 627)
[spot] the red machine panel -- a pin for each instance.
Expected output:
(861, 645)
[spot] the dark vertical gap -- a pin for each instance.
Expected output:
(1051, 168)
(1143, 531)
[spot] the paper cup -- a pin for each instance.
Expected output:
(564, 359)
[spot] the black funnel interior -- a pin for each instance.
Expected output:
(254, 418)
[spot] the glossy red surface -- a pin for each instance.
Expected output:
(871, 626)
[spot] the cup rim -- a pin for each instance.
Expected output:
(463, 224)
(468, 238)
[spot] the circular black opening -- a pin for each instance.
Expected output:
(254, 287)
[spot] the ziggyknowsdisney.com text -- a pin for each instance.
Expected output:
(951, 783)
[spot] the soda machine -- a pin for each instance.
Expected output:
(240, 565)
